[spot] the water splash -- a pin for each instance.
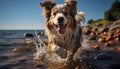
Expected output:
(85, 43)
(43, 54)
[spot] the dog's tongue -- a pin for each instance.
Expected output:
(61, 29)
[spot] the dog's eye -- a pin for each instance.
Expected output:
(66, 13)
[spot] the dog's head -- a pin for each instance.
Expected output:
(61, 19)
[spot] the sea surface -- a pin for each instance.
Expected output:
(11, 36)
(14, 52)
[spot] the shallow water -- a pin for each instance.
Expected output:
(14, 35)
(10, 58)
(15, 54)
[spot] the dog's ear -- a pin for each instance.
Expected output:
(42, 4)
(72, 4)
(48, 5)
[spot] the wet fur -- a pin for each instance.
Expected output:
(71, 40)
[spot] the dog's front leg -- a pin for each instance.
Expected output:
(70, 60)
(59, 51)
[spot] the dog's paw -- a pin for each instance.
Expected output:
(62, 53)
(59, 51)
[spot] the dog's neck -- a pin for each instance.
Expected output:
(67, 41)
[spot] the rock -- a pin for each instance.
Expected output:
(115, 25)
(92, 37)
(28, 35)
(107, 44)
(101, 40)
(103, 29)
(109, 37)
(20, 50)
(116, 22)
(86, 30)
(117, 31)
(103, 34)
(117, 49)
(95, 46)
(117, 39)
(112, 42)
(117, 34)
(93, 28)
(39, 33)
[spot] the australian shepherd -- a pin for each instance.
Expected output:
(63, 27)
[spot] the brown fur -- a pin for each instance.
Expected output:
(48, 5)
(70, 41)
(73, 6)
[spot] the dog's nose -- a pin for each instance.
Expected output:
(60, 19)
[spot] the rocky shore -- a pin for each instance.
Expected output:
(102, 50)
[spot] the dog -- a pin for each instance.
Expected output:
(63, 28)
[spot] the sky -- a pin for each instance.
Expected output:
(27, 14)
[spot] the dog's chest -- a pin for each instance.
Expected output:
(67, 42)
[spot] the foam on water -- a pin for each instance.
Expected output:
(43, 54)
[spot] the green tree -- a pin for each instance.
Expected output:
(114, 12)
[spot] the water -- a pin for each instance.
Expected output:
(14, 52)
(43, 54)
(38, 56)
(12, 36)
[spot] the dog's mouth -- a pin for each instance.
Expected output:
(60, 28)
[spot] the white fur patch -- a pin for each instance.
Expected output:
(55, 47)
(59, 14)
(59, 6)
(80, 17)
